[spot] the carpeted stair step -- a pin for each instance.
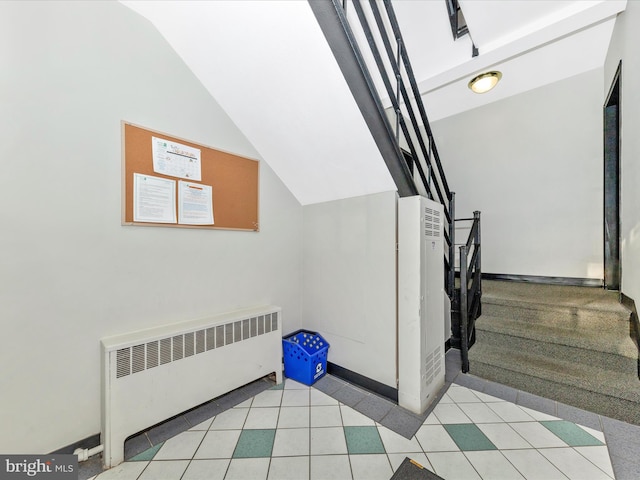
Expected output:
(608, 348)
(563, 316)
(571, 344)
(552, 304)
(587, 377)
(553, 315)
(554, 295)
(589, 387)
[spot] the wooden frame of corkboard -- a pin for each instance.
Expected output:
(234, 179)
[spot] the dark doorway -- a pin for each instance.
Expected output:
(612, 185)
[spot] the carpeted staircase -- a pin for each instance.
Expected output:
(571, 344)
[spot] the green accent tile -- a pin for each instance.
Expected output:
(147, 455)
(571, 434)
(255, 443)
(278, 387)
(361, 440)
(469, 437)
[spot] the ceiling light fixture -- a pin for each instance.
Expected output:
(485, 81)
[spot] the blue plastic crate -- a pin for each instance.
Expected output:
(305, 356)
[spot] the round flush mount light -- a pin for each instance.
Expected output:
(485, 81)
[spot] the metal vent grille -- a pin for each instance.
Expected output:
(211, 338)
(152, 354)
(438, 359)
(123, 362)
(142, 357)
(165, 351)
(245, 329)
(261, 325)
(200, 341)
(220, 336)
(137, 358)
(431, 222)
(178, 347)
(433, 365)
(228, 336)
(188, 344)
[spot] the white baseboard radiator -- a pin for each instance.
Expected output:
(152, 375)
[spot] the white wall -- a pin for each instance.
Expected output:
(70, 274)
(532, 164)
(349, 265)
(625, 46)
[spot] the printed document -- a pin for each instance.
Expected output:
(154, 199)
(175, 159)
(195, 203)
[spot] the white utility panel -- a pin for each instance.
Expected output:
(421, 300)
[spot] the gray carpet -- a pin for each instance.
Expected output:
(411, 470)
(570, 344)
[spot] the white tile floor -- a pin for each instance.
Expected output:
(298, 432)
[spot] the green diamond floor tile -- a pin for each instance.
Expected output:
(255, 443)
(363, 440)
(278, 387)
(571, 434)
(147, 455)
(469, 437)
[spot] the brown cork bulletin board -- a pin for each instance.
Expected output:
(227, 184)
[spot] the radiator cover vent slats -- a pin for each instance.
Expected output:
(123, 359)
(165, 351)
(137, 358)
(142, 357)
(200, 340)
(220, 336)
(152, 354)
(188, 344)
(178, 347)
(261, 325)
(245, 329)
(211, 338)
(228, 337)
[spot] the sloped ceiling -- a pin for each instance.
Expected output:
(268, 65)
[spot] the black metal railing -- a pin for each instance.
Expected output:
(470, 289)
(412, 129)
(459, 26)
(456, 18)
(386, 69)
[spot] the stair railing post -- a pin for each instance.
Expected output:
(452, 246)
(464, 315)
(476, 217)
(398, 98)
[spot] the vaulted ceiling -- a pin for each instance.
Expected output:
(268, 65)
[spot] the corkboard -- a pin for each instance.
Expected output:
(234, 180)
